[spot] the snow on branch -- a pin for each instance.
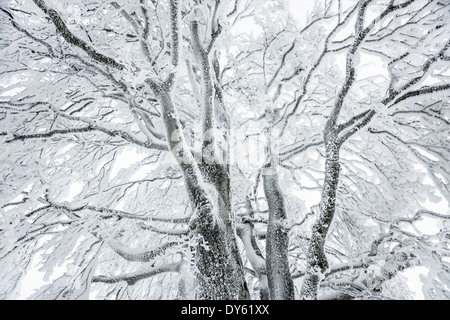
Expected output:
(133, 277)
(279, 278)
(419, 214)
(350, 122)
(140, 255)
(28, 34)
(142, 33)
(118, 213)
(297, 149)
(246, 233)
(123, 214)
(395, 227)
(363, 121)
(360, 34)
(308, 78)
(48, 134)
(215, 31)
(394, 94)
(120, 84)
(165, 231)
(201, 56)
(110, 131)
(174, 27)
(410, 146)
(421, 91)
(429, 114)
(74, 40)
(282, 63)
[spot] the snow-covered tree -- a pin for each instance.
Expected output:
(172, 149)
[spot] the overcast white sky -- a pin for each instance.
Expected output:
(300, 9)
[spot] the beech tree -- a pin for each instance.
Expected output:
(207, 149)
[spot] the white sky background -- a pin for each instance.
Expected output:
(300, 9)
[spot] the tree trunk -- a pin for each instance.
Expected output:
(281, 285)
(224, 262)
(245, 231)
(219, 273)
(316, 262)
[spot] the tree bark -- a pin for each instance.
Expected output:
(220, 274)
(245, 231)
(316, 261)
(281, 285)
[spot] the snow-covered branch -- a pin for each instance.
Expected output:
(133, 277)
(363, 121)
(140, 255)
(170, 232)
(74, 40)
(421, 91)
(287, 115)
(117, 213)
(110, 131)
(48, 134)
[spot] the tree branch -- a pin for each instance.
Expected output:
(421, 91)
(286, 155)
(350, 68)
(165, 231)
(281, 286)
(142, 255)
(133, 277)
(72, 39)
(418, 215)
(362, 123)
(141, 33)
(15, 25)
(22, 137)
(352, 120)
(174, 27)
(283, 60)
(111, 132)
(425, 67)
(285, 118)
(118, 213)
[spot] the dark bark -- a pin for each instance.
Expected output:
(281, 285)
(74, 40)
(316, 258)
(220, 272)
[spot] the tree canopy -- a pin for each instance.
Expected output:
(207, 149)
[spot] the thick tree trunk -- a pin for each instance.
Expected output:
(316, 262)
(220, 274)
(281, 286)
(226, 255)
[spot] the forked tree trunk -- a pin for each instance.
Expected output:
(223, 264)
(220, 274)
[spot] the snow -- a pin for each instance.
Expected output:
(380, 181)
(72, 190)
(414, 282)
(125, 159)
(12, 92)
